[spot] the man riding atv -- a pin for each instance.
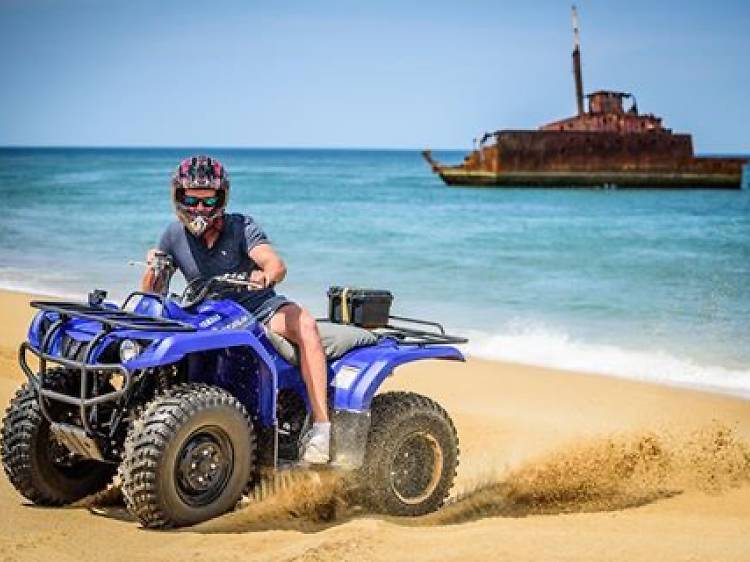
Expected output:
(187, 402)
(206, 242)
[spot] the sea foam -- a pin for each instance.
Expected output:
(545, 347)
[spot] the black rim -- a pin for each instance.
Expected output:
(416, 467)
(204, 466)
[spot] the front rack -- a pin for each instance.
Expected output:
(113, 317)
(406, 335)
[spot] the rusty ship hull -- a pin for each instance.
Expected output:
(603, 145)
(591, 159)
(589, 180)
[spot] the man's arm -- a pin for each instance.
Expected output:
(272, 269)
(148, 281)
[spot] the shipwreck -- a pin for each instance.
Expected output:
(604, 145)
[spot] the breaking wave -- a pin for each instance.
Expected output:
(546, 348)
(51, 283)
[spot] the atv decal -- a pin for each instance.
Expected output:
(346, 376)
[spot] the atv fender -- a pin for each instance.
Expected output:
(359, 374)
(175, 347)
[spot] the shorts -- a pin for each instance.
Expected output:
(264, 309)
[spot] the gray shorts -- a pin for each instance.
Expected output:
(265, 309)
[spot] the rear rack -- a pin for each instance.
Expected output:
(411, 336)
(113, 317)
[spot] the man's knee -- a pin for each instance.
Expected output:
(308, 327)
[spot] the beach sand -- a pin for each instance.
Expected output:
(554, 466)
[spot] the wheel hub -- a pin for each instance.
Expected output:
(204, 466)
(416, 467)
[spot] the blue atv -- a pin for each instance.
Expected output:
(189, 401)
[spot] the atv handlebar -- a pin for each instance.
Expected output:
(163, 267)
(238, 280)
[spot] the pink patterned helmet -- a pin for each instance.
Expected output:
(199, 172)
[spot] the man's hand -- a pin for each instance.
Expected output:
(158, 272)
(269, 265)
(259, 279)
(151, 256)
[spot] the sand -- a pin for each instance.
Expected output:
(554, 466)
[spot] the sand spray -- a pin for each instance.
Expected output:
(605, 473)
(597, 474)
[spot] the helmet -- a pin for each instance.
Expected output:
(199, 172)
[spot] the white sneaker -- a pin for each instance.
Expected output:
(316, 444)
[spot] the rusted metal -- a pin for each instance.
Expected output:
(606, 145)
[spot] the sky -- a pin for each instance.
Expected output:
(380, 74)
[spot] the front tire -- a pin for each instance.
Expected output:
(188, 458)
(411, 457)
(39, 467)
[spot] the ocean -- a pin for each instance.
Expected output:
(653, 285)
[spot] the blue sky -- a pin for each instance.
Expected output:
(359, 74)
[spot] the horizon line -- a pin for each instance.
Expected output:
(217, 147)
(269, 148)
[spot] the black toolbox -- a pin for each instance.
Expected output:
(368, 308)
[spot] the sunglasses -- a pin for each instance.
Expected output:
(192, 201)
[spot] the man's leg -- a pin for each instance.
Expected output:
(297, 325)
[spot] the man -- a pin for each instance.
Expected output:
(205, 241)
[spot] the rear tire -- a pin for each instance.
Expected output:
(39, 467)
(411, 457)
(188, 458)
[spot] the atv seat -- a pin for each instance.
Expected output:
(337, 339)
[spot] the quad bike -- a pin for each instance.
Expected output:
(190, 401)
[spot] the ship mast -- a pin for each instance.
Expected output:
(577, 62)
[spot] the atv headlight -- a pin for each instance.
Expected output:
(129, 349)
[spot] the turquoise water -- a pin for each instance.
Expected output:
(646, 284)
